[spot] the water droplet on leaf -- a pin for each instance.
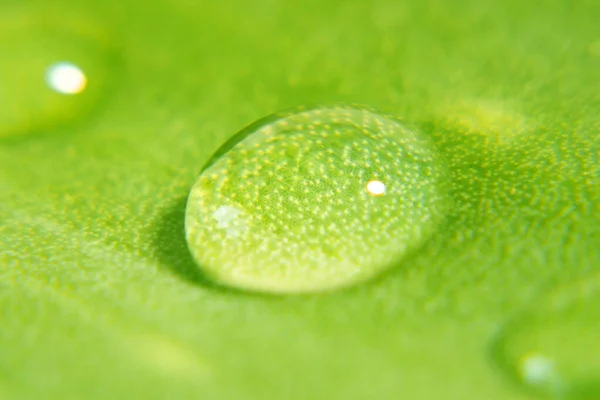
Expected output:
(314, 199)
(52, 71)
(552, 347)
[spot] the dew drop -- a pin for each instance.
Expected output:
(553, 346)
(314, 199)
(53, 71)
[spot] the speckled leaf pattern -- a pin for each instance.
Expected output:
(99, 295)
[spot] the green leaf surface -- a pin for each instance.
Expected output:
(99, 296)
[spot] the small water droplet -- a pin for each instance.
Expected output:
(52, 71)
(314, 199)
(553, 347)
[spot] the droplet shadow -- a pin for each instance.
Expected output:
(171, 247)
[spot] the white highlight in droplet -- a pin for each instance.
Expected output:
(231, 220)
(376, 188)
(66, 78)
(536, 369)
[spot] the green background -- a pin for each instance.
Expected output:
(99, 297)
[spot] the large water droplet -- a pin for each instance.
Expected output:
(52, 71)
(314, 199)
(553, 347)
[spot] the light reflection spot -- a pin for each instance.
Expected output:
(536, 369)
(66, 78)
(376, 188)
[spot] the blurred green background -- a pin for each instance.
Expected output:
(99, 297)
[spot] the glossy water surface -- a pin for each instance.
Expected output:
(314, 199)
